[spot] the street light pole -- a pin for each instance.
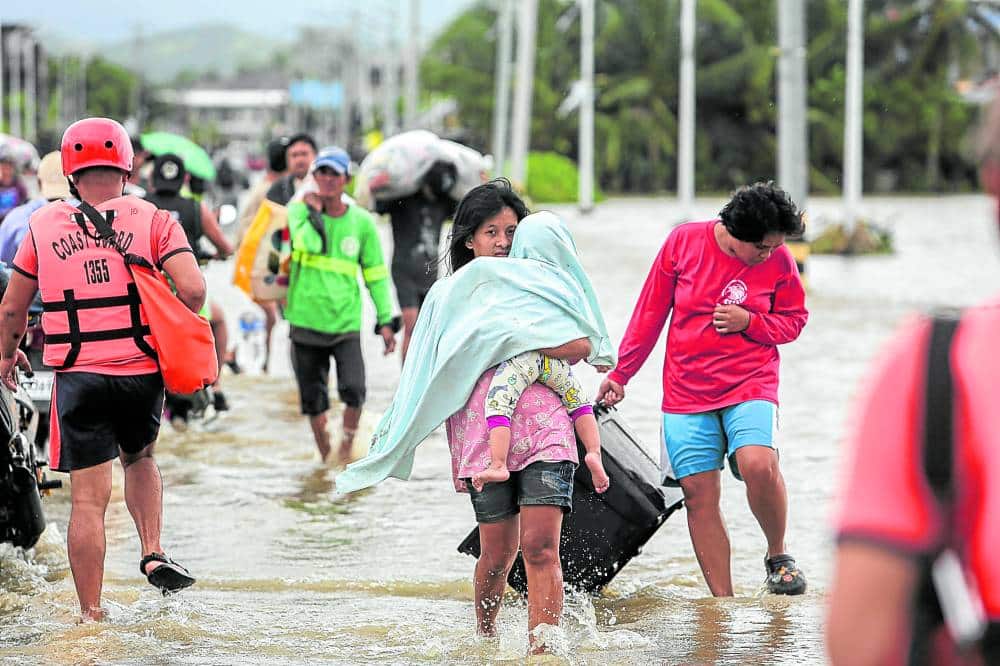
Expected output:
(853, 112)
(523, 90)
(793, 159)
(30, 89)
(586, 139)
(686, 121)
(413, 66)
(501, 98)
(1, 77)
(15, 82)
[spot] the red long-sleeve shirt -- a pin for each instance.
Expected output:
(704, 369)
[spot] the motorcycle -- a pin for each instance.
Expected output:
(22, 476)
(39, 385)
(22, 462)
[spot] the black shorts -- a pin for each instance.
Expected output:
(94, 417)
(538, 484)
(311, 364)
(412, 283)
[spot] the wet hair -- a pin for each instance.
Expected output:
(276, 161)
(480, 204)
(760, 209)
(303, 137)
(137, 146)
(197, 185)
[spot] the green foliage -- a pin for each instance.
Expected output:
(553, 178)
(914, 122)
(111, 89)
(863, 238)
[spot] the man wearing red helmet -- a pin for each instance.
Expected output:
(108, 394)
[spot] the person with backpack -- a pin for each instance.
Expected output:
(300, 151)
(108, 393)
(916, 576)
(416, 233)
(198, 221)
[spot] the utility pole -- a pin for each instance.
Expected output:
(30, 90)
(853, 109)
(390, 92)
(15, 82)
(523, 90)
(364, 88)
(686, 121)
(793, 150)
(82, 83)
(347, 69)
(1, 76)
(390, 81)
(412, 71)
(501, 98)
(65, 99)
(586, 140)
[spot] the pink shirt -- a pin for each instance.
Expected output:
(541, 431)
(704, 369)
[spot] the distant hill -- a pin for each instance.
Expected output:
(220, 48)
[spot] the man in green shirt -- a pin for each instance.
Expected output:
(331, 241)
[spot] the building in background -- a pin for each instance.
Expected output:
(24, 82)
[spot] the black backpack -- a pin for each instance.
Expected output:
(938, 456)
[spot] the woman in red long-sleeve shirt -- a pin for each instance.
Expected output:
(733, 294)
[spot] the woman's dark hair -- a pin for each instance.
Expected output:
(480, 204)
(760, 209)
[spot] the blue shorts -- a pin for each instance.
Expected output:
(702, 442)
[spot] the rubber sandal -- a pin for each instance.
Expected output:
(783, 575)
(169, 576)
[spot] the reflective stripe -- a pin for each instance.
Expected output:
(328, 264)
(375, 273)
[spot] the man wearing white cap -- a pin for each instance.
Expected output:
(53, 186)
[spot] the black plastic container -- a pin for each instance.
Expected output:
(605, 531)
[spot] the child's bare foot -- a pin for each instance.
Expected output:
(597, 473)
(490, 475)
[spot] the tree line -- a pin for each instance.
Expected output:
(917, 126)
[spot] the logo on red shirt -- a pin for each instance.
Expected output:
(734, 293)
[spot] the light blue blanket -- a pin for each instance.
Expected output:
(490, 310)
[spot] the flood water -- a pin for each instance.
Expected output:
(291, 573)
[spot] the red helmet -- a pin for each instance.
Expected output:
(96, 142)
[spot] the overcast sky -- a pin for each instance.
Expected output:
(107, 20)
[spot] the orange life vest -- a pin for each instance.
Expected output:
(92, 313)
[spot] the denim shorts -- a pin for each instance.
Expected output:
(540, 483)
(702, 442)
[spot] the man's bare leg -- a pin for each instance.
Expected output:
(270, 319)
(318, 424)
(221, 334)
(90, 493)
(144, 499)
(352, 417)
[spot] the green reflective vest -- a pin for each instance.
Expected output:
(323, 291)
